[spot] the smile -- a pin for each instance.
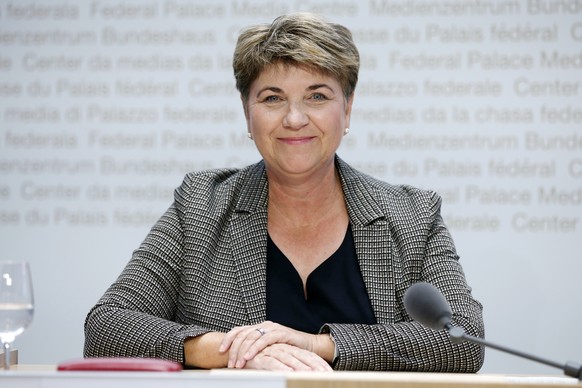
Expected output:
(296, 140)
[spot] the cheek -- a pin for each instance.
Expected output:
(263, 121)
(337, 120)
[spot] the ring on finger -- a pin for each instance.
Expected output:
(261, 331)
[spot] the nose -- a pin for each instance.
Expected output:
(296, 117)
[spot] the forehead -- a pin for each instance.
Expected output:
(293, 75)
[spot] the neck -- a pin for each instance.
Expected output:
(304, 199)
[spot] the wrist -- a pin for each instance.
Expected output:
(325, 347)
(202, 351)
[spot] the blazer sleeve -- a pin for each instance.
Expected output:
(406, 345)
(136, 317)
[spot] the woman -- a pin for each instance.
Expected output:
(298, 262)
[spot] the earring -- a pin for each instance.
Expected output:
(346, 131)
(249, 135)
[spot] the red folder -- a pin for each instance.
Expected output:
(120, 364)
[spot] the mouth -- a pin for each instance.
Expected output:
(296, 140)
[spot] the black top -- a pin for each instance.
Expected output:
(335, 290)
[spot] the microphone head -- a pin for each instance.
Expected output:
(427, 305)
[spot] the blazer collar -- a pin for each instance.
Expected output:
(254, 193)
(363, 208)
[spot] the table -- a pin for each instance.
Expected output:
(40, 376)
(30, 376)
(424, 380)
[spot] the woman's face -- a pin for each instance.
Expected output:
(297, 118)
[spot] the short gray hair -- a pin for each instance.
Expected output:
(299, 39)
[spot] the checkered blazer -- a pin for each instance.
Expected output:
(202, 267)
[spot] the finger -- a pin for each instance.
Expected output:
(265, 362)
(229, 337)
(268, 337)
(235, 331)
(272, 333)
(241, 344)
(306, 360)
(256, 341)
(292, 357)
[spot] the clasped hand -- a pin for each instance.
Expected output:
(273, 347)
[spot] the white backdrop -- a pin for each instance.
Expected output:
(105, 105)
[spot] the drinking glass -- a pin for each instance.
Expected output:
(16, 303)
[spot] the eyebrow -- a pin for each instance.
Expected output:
(317, 86)
(270, 88)
(279, 90)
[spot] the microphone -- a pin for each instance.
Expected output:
(427, 305)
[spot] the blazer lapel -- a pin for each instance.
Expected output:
(249, 243)
(373, 247)
(372, 241)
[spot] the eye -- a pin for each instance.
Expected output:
(272, 98)
(319, 97)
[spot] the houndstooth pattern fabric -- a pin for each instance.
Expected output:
(202, 268)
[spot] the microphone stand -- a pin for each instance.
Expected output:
(458, 335)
